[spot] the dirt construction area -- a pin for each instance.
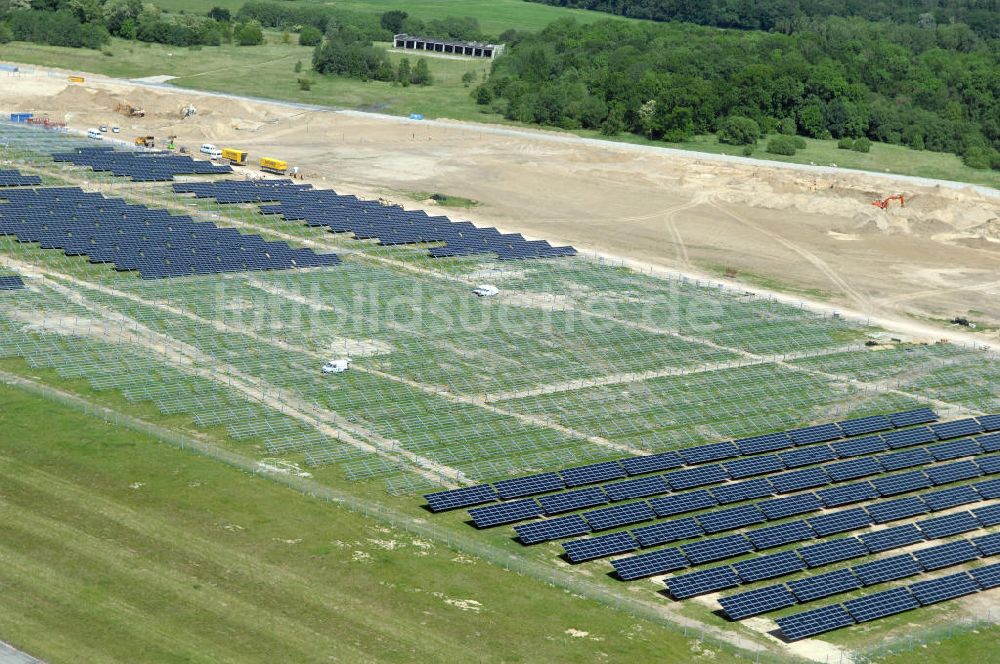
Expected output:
(809, 232)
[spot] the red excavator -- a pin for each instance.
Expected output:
(884, 204)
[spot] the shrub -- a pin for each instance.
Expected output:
(305, 84)
(862, 145)
(738, 130)
(747, 150)
(845, 144)
(310, 36)
(298, 66)
(783, 145)
(787, 126)
(248, 34)
(976, 157)
(800, 143)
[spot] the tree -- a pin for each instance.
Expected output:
(422, 73)
(404, 74)
(614, 123)
(737, 130)
(787, 126)
(5, 33)
(248, 34)
(392, 21)
(298, 66)
(220, 14)
(310, 36)
(647, 117)
(468, 77)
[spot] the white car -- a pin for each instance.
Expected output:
(486, 290)
(210, 150)
(94, 134)
(116, 129)
(336, 366)
(104, 129)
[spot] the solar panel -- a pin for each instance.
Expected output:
(988, 545)
(909, 437)
(820, 433)
(957, 428)
(464, 497)
(887, 569)
(730, 519)
(946, 555)
(681, 503)
(833, 551)
(597, 472)
(991, 441)
(779, 535)
(953, 449)
(892, 538)
(859, 446)
(989, 489)
(880, 605)
(817, 621)
(706, 551)
(667, 531)
(551, 529)
(824, 585)
(702, 582)
(839, 522)
(711, 452)
(756, 602)
(694, 477)
(892, 485)
(893, 510)
(649, 564)
(619, 515)
(852, 469)
(864, 425)
(805, 456)
(946, 526)
(847, 494)
(948, 498)
(989, 422)
(987, 576)
(796, 480)
(911, 417)
(652, 463)
(779, 508)
(582, 550)
(766, 443)
(987, 516)
(637, 488)
(573, 500)
(990, 465)
(529, 486)
(768, 567)
(735, 492)
(917, 456)
(512, 512)
(944, 588)
(755, 465)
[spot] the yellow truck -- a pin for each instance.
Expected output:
(235, 157)
(276, 166)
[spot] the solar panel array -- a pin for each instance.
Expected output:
(9, 178)
(11, 282)
(134, 237)
(390, 224)
(140, 166)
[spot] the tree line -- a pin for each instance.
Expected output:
(934, 87)
(788, 16)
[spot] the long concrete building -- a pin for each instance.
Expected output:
(475, 49)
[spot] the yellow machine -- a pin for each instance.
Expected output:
(273, 165)
(236, 157)
(76, 79)
(145, 141)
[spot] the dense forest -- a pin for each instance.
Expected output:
(788, 16)
(932, 87)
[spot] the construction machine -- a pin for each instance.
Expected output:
(884, 204)
(145, 141)
(170, 142)
(130, 111)
(188, 111)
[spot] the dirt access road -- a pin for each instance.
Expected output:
(808, 232)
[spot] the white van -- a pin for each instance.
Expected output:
(211, 150)
(486, 290)
(95, 134)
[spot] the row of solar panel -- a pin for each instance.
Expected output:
(789, 562)
(782, 595)
(889, 602)
(133, 237)
(140, 166)
(837, 496)
(11, 282)
(693, 456)
(761, 539)
(9, 178)
(391, 225)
